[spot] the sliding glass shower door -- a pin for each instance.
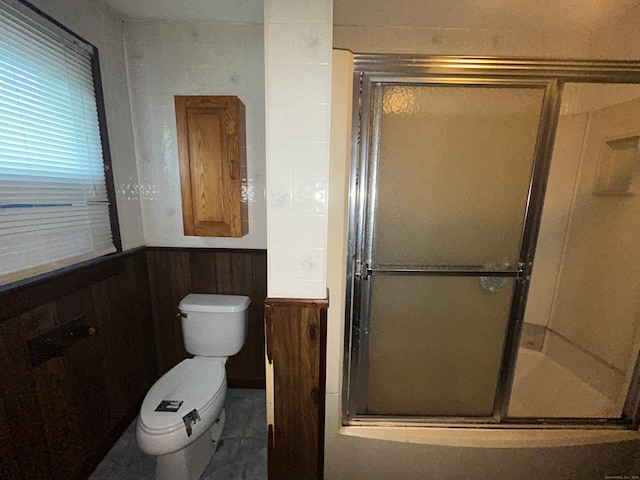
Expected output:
(445, 184)
(492, 253)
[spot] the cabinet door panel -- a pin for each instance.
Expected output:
(212, 163)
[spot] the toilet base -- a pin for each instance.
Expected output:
(190, 462)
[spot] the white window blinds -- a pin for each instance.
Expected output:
(54, 209)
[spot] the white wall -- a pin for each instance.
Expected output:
(192, 58)
(163, 59)
(298, 69)
(618, 40)
(341, 111)
(457, 41)
(96, 24)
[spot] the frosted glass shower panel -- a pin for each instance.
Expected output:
(453, 171)
(435, 345)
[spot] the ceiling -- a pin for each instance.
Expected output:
(466, 14)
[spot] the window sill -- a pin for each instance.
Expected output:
(19, 296)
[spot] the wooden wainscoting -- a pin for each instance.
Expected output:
(176, 272)
(296, 347)
(59, 418)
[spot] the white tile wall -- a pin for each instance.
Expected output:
(192, 58)
(298, 37)
(96, 24)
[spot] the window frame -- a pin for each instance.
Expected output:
(69, 39)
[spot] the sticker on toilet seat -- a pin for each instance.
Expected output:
(169, 406)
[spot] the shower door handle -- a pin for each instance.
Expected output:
(524, 271)
(362, 270)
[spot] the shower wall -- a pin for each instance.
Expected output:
(553, 230)
(585, 280)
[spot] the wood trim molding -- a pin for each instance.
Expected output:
(296, 336)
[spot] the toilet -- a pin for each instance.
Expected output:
(182, 415)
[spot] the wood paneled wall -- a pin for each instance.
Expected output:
(58, 419)
(175, 273)
(296, 347)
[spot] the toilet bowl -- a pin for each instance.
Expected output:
(182, 415)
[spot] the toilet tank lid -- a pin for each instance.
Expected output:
(205, 302)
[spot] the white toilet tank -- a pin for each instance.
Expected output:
(214, 325)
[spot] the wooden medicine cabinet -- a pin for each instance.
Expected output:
(212, 151)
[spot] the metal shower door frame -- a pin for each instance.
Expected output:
(373, 71)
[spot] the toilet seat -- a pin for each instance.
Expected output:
(199, 383)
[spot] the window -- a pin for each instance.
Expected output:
(55, 209)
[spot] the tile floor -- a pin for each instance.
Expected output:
(242, 453)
